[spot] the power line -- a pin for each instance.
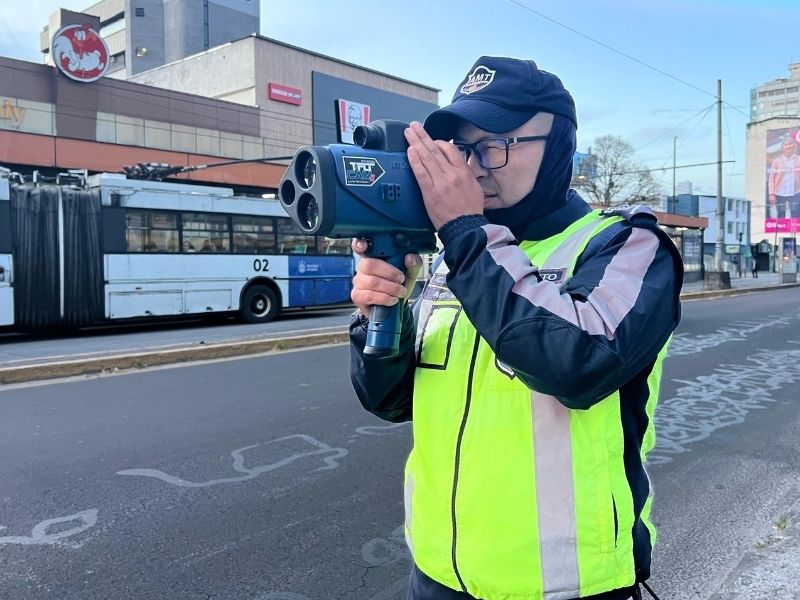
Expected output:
(702, 110)
(606, 46)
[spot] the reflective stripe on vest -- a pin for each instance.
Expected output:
(506, 501)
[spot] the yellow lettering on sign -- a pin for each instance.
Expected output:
(9, 112)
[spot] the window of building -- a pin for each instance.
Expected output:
(292, 241)
(151, 231)
(205, 233)
(793, 90)
(253, 235)
(111, 27)
(139, 12)
(730, 204)
(730, 227)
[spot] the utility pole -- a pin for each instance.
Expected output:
(674, 167)
(719, 279)
(720, 201)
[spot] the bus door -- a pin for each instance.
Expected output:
(58, 261)
(6, 264)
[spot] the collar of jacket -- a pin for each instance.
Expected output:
(557, 221)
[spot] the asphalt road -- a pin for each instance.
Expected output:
(262, 478)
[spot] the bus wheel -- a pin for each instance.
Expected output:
(259, 305)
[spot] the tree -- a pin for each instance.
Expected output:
(610, 176)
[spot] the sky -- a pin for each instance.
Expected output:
(646, 71)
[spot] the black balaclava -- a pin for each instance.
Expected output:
(551, 187)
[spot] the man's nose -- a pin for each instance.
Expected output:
(474, 164)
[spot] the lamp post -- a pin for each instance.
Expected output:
(741, 256)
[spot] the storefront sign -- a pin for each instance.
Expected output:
(349, 116)
(284, 93)
(9, 112)
(731, 249)
(80, 53)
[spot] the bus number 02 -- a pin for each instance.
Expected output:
(261, 265)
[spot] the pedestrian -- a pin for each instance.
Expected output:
(755, 267)
(530, 362)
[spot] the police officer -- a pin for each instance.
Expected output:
(531, 362)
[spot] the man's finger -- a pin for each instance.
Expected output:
(421, 139)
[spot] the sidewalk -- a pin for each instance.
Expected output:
(764, 280)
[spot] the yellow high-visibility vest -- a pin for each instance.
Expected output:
(509, 495)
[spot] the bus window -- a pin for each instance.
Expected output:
(292, 241)
(253, 235)
(206, 232)
(334, 246)
(151, 231)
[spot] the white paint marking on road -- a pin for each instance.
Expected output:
(40, 537)
(720, 399)
(683, 344)
(322, 449)
(379, 429)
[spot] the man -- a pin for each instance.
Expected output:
(783, 186)
(530, 363)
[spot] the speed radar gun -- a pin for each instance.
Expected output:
(364, 191)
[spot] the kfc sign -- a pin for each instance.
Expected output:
(284, 93)
(80, 53)
(350, 115)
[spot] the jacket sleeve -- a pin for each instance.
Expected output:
(581, 342)
(383, 385)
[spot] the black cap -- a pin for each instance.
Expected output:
(499, 94)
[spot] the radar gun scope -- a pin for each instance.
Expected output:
(365, 191)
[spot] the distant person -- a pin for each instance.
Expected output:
(784, 183)
(207, 247)
(188, 247)
(755, 268)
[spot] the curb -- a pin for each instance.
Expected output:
(139, 360)
(735, 291)
(144, 359)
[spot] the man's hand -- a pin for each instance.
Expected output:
(449, 188)
(772, 199)
(378, 282)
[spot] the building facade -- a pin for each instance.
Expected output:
(144, 34)
(286, 98)
(297, 92)
(777, 98)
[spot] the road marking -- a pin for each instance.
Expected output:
(683, 344)
(334, 454)
(720, 399)
(40, 537)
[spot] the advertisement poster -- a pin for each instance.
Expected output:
(783, 181)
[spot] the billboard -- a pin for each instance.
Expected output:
(783, 181)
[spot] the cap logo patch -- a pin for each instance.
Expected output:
(480, 78)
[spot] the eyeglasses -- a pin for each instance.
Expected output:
(493, 153)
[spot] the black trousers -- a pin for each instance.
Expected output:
(424, 588)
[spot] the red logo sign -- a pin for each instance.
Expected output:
(80, 53)
(284, 93)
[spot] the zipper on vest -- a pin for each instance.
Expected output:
(458, 457)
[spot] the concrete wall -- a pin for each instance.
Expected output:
(144, 32)
(225, 72)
